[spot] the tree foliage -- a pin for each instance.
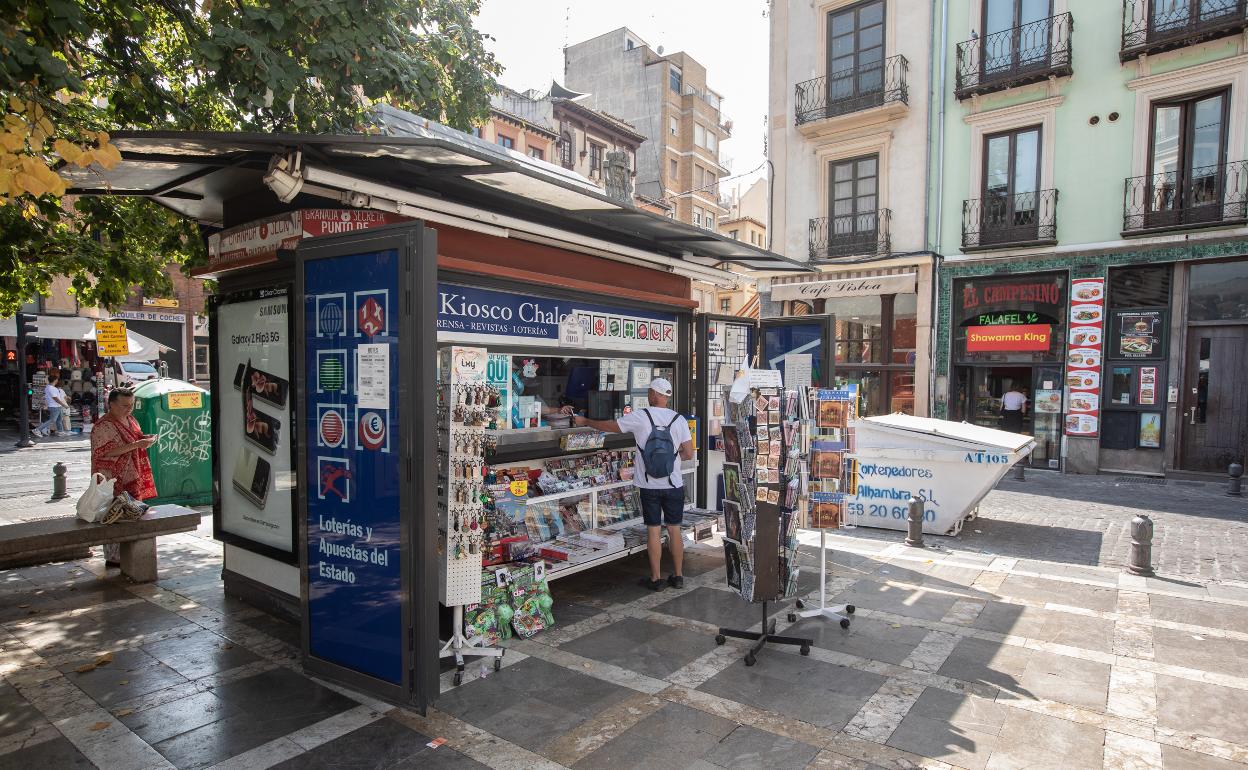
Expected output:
(73, 70)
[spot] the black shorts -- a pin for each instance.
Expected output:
(662, 506)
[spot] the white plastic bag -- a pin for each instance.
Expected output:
(94, 503)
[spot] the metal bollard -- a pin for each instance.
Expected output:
(1235, 487)
(58, 482)
(1020, 471)
(1141, 560)
(914, 523)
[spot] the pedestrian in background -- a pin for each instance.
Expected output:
(54, 399)
(1013, 407)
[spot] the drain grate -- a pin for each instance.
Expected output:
(1154, 480)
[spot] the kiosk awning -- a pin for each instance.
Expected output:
(418, 167)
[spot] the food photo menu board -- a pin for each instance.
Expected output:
(252, 422)
(1084, 350)
(351, 415)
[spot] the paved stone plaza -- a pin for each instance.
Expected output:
(1000, 649)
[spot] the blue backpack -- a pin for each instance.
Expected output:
(659, 453)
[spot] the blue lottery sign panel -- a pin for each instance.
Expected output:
(354, 547)
(471, 314)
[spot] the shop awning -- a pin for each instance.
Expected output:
(415, 163)
(57, 327)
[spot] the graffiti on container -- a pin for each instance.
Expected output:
(184, 440)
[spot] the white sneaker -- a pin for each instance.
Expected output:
(36, 433)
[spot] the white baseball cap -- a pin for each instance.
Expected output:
(661, 386)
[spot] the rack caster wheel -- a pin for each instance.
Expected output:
(459, 678)
(720, 639)
(844, 622)
(849, 608)
(805, 650)
(750, 659)
(801, 605)
(792, 617)
(498, 664)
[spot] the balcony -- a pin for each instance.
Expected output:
(855, 235)
(1014, 57)
(1153, 26)
(1005, 221)
(1207, 196)
(880, 84)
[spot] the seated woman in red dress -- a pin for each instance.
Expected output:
(119, 448)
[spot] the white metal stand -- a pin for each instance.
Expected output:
(837, 612)
(459, 647)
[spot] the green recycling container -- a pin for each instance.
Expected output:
(180, 414)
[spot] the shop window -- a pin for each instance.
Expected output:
(905, 329)
(601, 388)
(859, 329)
(202, 359)
(1218, 291)
(1140, 286)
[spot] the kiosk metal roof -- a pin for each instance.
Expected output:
(195, 173)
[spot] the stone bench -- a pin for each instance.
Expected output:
(44, 540)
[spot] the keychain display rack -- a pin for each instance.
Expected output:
(763, 476)
(465, 403)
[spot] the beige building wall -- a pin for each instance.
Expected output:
(666, 97)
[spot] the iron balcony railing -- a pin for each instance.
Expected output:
(1014, 57)
(853, 235)
(1172, 200)
(996, 221)
(1150, 26)
(853, 90)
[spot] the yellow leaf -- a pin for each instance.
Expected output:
(123, 713)
(31, 184)
(108, 156)
(102, 136)
(15, 104)
(12, 142)
(85, 158)
(95, 728)
(67, 150)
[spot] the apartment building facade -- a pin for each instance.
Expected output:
(567, 132)
(1088, 192)
(848, 130)
(667, 99)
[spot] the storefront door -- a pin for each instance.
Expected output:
(1215, 422)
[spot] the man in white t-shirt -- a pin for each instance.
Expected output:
(662, 497)
(55, 401)
(1013, 406)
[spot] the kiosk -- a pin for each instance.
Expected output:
(345, 264)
